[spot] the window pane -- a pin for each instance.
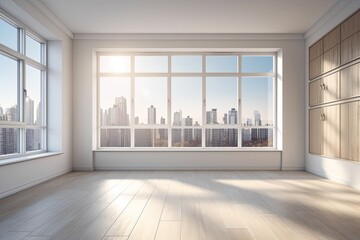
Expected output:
(186, 101)
(9, 141)
(221, 100)
(33, 139)
(256, 64)
(257, 101)
(33, 99)
(33, 49)
(186, 137)
(115, 138)
(150, 100)
(8, 35)
(115, 64)
(9, 110)
(154, 64)
(114, 101)
(257, 137)
(221, 137)
(186, 64)
(222, 64)
(151, 137)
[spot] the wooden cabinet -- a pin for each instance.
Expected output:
(324, 131)
(350, 131)
(350, 81)
(316, 50)
(331, 131)
(350, 26)
(324, 90)
(315, 131)
(315, 68)
(331, 59)
(332, 39)
(334, 72)
(350, 48)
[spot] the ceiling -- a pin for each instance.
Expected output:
(188, 16)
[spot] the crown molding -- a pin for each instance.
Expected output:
(188, 36)
(51, 17)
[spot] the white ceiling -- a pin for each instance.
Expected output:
(188, 16)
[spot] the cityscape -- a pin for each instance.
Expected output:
(118, 115)
(9, 137)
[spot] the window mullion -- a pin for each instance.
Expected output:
(239, 102)
(169, 103)
(203, 135)
(132, 114)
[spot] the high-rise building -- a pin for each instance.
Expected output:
(177, 118)
(151, 115)
(211, 116)
(38, 114)
(162, 120)
(249, 122)
(136, 120)
(188, 121)
(257, 118)
(225, 118)
(119, 116)
(29, 111)
(1, 111)
(232, 116)
(188, 133)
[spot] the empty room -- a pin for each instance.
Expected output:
(180, 120)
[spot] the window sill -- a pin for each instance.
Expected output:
(188, 150)
(25, 158)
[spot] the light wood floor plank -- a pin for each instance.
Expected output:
(148, 222)
(192, 227)
(169, 230)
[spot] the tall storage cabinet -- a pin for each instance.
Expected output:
(334, 92)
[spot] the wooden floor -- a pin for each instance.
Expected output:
(185, 205)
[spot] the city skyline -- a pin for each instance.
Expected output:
(119, 109)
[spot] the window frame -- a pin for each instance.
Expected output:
(203, 74)
(23, 61)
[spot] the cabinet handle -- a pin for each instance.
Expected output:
(323, 117)
(324, 86)
(321, 87)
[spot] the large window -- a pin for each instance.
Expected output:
(22, 90)
(186, 100)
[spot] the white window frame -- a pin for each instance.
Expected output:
(23, 60)
(239, 75)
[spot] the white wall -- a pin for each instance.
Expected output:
(293, 52)
(343, 171)
(15, 177)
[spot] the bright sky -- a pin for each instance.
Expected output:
(186, 92)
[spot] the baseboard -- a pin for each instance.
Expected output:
(82, 169)
(25, 186)
(172, 168)
(293, 168)
(333, 178)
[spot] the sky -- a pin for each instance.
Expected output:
(221, 92)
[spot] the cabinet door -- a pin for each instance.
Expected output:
(331, 59)
(315, 92)
(350, 48)
(350, 138)
(331, 131)
(332, 39)
(330, 88)
(315, 68)
(348, 28)
(316, 50)
(350, 82)
(315, 131)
